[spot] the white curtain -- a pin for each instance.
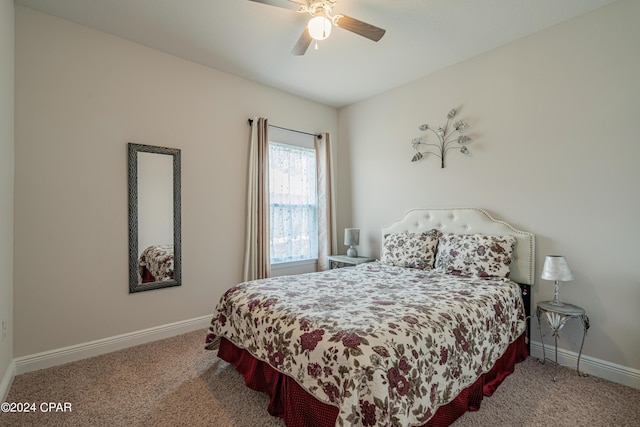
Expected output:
(327, 237)
(257, 264)
(293, 202)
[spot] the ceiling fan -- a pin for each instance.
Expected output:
(319, 26)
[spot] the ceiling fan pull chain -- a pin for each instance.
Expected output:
(316, 44)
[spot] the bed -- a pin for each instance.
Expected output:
(155, 264)
(413, 339)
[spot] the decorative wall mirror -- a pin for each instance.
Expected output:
(155, 259)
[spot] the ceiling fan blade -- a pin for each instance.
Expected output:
(302, 44)
(286, 4)
(361, 28)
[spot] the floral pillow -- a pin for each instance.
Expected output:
(475, 255)
(412, 250)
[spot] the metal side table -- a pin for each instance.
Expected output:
(557, 315)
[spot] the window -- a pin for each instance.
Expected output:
(293, 203)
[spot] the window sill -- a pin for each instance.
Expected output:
(291, 264)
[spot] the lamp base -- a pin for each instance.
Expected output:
(352, 252)
(556, 297)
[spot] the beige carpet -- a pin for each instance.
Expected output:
(174, 382)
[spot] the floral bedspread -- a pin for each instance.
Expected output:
(387, 345)
(158, 260)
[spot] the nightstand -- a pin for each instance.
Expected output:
(338, 261)
(557, 315)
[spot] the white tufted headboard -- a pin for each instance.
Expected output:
(471, 221)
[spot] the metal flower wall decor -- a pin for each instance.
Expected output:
(449, 137)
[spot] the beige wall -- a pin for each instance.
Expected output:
(81, 95)
(6, 184)
(555, 122)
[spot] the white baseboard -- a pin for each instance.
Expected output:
(72, 353)
(590, 365)
(7, 379)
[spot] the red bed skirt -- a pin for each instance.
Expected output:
(298, 408)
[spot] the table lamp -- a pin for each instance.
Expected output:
(556, 268)
(351, 239)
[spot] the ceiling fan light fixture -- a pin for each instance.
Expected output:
(319, 27)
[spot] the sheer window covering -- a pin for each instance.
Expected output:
(293, 203)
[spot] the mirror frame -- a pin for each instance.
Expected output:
(134, 286)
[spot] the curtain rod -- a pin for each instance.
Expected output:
(250, 121)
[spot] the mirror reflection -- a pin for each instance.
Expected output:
(154, 217)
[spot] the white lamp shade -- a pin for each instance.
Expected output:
(556, 268)
(352, 236)
(319, 27)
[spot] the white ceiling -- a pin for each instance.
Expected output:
(254, 40)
